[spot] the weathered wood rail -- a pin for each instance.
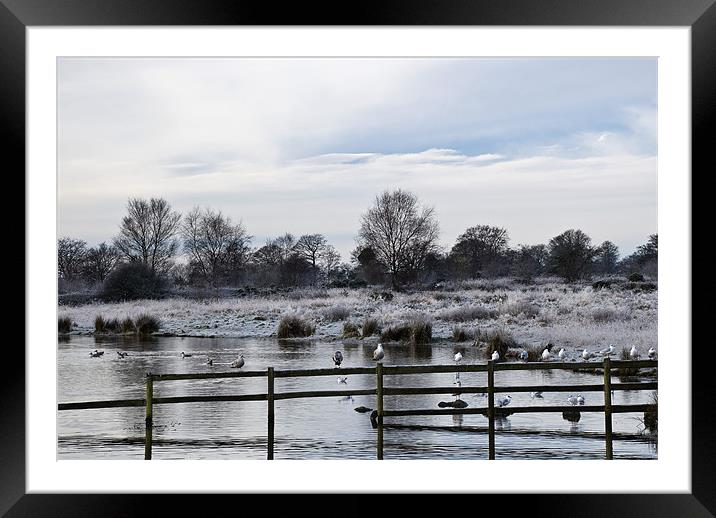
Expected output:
(380, 371)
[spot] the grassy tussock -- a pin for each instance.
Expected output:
(64, 325)
(293, 326)
(521, 308)
(460, 334)
(371, 326)
(336, 313)
(350, 330)
(144, 324)
(467, 313)
(500, 341)
(419, 331)
(651, 415)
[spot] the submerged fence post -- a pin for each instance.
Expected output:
(148, 418)
(491, 408)
(379, 406)
(608, 407)
(270, 400)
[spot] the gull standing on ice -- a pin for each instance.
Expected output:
(586, 354)
(634, 353)
(495, 356)
(561, 354)
(337, 358)
(238, 362)
(652, 353)
(458, 357)
(378, 354)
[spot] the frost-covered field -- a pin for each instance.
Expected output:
(570, 316)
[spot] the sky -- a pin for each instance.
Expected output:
(303, 145)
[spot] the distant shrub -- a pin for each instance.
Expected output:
(604, 315)
(132, 281)
(419, 331)
(603, 284)
(64, 325)
(382, 295)
(467, 313)
(336, 313)
(350, 330)
(635, 277)
(623, 372)
(459, 334)
(146, 324)
(371, 327)
(521, 307)
(292, 326)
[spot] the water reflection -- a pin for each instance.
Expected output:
(308, 428)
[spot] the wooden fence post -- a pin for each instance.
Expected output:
(379, 405)
(148, 418)
(608, 407)
(270, 400)
(491, 408)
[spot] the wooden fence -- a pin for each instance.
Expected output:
(380, 371)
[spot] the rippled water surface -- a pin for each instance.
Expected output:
(319, 428)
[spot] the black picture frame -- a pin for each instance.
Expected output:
(17, 15)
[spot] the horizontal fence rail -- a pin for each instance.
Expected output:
(380, 371)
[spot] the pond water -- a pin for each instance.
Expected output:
(318, 428)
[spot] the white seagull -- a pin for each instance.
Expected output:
(378, 354)
(495, 356)
(580, 399)
(652, 353)
(608, 351)
(634, 353)
(536, 395)
(572, 400)
(504, 401)
(586, 354)
(238, 362)
(524, 355)
(458, 357)
(561, 354)
(338, 358)
(547, 353)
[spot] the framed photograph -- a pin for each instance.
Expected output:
(412, 251)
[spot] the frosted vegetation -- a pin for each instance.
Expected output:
(569, 315)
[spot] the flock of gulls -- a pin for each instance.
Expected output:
(502, 401)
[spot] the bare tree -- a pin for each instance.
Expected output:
(216, 247)
(147, 233)
(400, 232)
(311, 247)
(100, 261)
(330, 260)
(70, 257)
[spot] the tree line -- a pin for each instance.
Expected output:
(397, 244)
